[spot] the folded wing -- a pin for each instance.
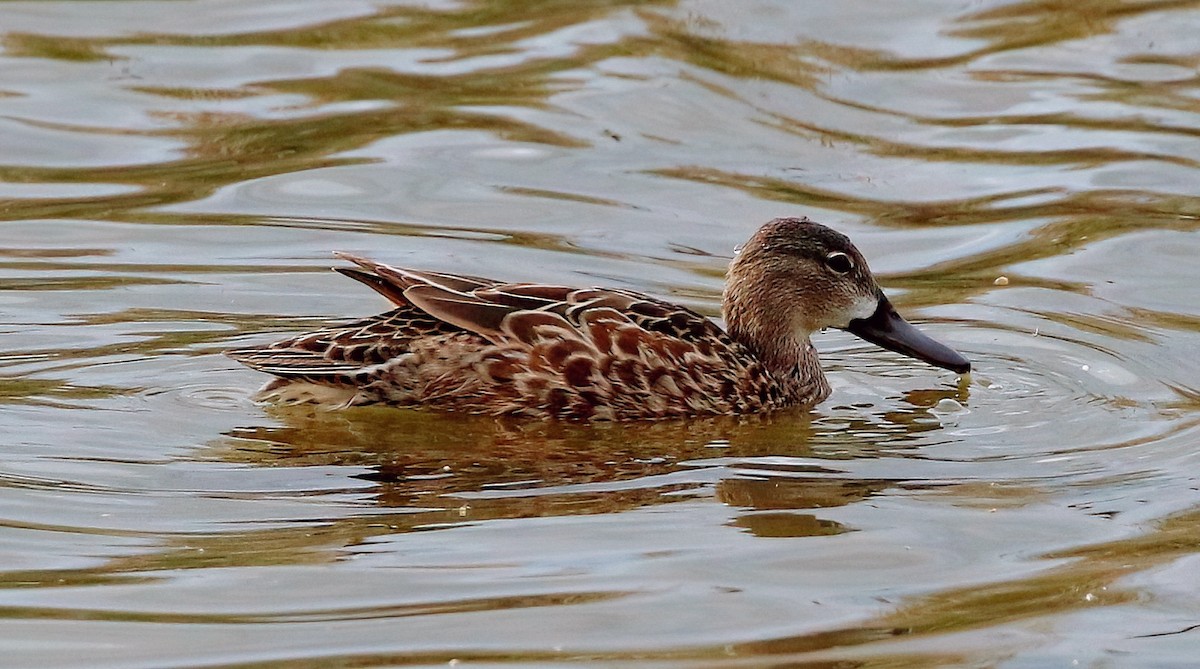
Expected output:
(539, 318)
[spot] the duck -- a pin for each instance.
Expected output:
(461, 343)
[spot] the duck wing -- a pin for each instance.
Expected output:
(523, 312)
(391, 282)
(331, 354)
(480, 305)
(432, 305)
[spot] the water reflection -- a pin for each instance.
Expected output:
(443, 470)
(481, 450)
(432, 453)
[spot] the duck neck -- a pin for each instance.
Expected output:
(781, 351)
(784, 349)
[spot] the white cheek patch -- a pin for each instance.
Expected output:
(863, 307)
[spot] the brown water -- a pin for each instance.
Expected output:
(173, 177)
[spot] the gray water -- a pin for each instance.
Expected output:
(174, 176)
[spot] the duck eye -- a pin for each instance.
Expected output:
(839, 262)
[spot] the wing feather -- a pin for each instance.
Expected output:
(388, 289)
(583, 335)
(462, 310)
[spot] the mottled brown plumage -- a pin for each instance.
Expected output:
(463, 343)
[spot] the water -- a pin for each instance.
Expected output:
(174, 176)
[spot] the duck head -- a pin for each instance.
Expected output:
(795, 277)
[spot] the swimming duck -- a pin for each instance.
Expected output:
(464, 343)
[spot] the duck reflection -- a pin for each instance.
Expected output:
(442, 469)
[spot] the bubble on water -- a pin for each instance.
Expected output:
(947, 406)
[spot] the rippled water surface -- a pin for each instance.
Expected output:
(174, 175)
